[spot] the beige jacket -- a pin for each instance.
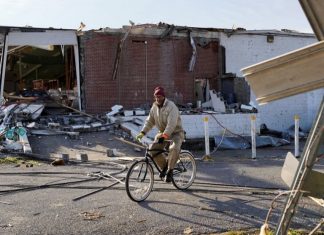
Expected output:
(166, 119)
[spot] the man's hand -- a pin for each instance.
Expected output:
(139, 136)
(162, 137)
(160, 140)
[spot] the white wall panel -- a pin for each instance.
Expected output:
(48, 37)
(243, 50)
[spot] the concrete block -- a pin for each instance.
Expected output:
(128, 113)
(83, 157)
(64, 156)
(139, 112)
(115, 109)
(110, 153)
(84, 127)
(138, 121)
(96, 125)
(74, 135)
(54, 125)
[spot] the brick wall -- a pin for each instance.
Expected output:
(141, 68)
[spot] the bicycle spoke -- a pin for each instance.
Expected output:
(184, 171)
(139, 181)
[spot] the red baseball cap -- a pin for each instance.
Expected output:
(159, 91)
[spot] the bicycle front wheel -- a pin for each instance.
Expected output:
(184, 172)
(139, 181)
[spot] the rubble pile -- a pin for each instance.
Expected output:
(18, 121)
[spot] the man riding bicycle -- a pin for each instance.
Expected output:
(165, 115)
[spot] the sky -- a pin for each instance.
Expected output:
(95, 14)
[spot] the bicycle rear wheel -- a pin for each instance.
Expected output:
(139, 181)
(184, 172)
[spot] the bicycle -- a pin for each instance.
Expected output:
(140, 176)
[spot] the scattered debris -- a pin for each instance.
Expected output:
(141, 221)
(139, 112)
(137, 149)
(247, 108)
(28, 165)
(130, 143)
(264, 229)
(5, 203)
(6, 225)
(291, 132)
(194, 53)
(206, 208)
(91, 215)
(18, 121)
(23, 139)
(128, 113)
(110, 153)
(114, 153)
(188, 230)
(115, 109)
(264, 130)
(207, 158)
(58, 162)
(223, 142)
(217, 103)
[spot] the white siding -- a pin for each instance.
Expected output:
(243, 50)
(194, 125)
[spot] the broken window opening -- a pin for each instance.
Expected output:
(201, 91)
(46, 73)
(233, 97)
(30, 55)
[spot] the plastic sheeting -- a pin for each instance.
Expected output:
(244, 142)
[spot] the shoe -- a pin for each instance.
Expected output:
(168, 177)
(163, 172)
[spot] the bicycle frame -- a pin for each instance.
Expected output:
(149, 157)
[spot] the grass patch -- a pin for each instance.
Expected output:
(257, 232)
(249, 232)
(18, 161)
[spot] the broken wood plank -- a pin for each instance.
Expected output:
(14, 97)
(318, 201)
(78, 111)
(130, 143)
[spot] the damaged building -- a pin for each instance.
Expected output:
(123, 66)
(199, 67)
(93, 71)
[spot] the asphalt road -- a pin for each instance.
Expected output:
(230, 193)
